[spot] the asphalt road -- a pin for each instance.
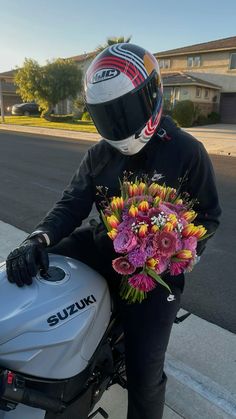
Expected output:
(34, 170)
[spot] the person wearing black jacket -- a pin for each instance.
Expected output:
(124, 96)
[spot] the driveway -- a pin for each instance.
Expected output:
(217, 138)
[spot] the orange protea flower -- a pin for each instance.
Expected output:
(155, 228)
(151, 263)
(133, 211)
(184, 254)
(168, 227)
(143, 230)
(113, 221)
(113, 233)
(189, 215)
(143, 206)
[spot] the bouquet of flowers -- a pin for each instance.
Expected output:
(152, 229)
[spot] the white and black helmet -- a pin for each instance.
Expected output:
(123, 94)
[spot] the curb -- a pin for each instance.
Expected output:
(219, 146)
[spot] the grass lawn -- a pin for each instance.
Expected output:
(36, 121)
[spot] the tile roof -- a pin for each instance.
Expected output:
(8, 74)
(219, 44)
(180, 78)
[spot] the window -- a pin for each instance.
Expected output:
(198, 92)
(232, 64)
(206, 94)
(164, 63)
(194, 61)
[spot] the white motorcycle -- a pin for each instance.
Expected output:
(61, 344)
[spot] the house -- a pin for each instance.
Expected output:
(10, 97)
(211, 68)
(204, 73)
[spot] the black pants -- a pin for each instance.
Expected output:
(147, 326)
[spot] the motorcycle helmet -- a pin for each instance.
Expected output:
(123, 94)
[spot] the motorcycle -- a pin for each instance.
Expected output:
(61, 343)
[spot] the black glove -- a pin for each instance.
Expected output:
(24, 262)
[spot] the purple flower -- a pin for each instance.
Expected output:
(149, 245)
(125, 241)
(137, 257)
(190, 243)
(142, 282)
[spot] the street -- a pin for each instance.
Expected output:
(34, 170)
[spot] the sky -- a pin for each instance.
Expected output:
(48, 29)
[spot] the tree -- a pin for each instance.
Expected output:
(113, 40)
(47, 85)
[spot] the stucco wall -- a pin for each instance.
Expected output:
(214, 68)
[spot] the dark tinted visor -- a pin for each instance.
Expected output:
(122, 117)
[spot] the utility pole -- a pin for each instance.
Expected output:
(1, 101)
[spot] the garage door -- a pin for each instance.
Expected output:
(228, 108)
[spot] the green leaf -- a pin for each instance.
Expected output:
(157, 278)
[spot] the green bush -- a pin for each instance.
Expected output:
(213, 117)
(183, 112)
(201, 120)
(86, 117)
(61, 118)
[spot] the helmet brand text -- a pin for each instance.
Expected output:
(104, 74)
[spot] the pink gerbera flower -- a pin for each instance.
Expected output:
(177, 268)
(142, 282)
(123, 266)
(166, 243)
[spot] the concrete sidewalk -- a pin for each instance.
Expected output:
(200, 364)
(218, 138)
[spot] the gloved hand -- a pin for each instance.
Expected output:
(24, 262)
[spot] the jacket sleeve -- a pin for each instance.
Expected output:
(202, 187)
(73, 207)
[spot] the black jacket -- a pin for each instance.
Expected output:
(180, 156)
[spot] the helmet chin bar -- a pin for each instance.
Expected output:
(129, 146)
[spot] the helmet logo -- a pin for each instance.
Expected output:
(104, 74)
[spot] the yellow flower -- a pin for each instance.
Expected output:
(151, 263)
(153, 188)
(156, 201)
(117, 203)
(112, 234)
(141, 187)
(143, 230)
(200, 231)
(113, 221)
(168, 227)
(173, 219)
(133, 189)
(143, 206)
(133, 211)
(189, 215)
(188, 230)
(154, 228)
(184, 254)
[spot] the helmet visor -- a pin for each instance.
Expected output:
(122, 117)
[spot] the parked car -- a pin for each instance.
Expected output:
(25, 109)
